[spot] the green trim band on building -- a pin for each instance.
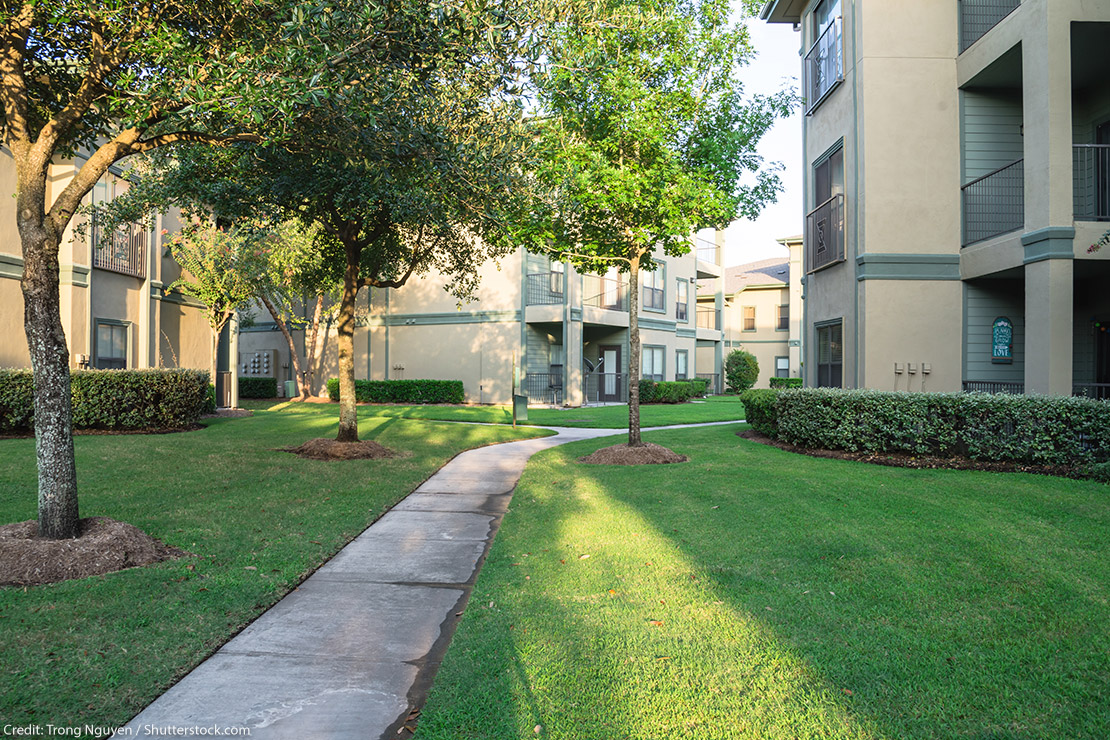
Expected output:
(658, 324)
(686, 333)
(74, 275)
(1051, 243)
(882, 266)
(437, 319)
(11, 266)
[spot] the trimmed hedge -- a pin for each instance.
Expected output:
(760, 411)
(700, 386)
(252, 387)
(1039, 430)
(670, 391)
(112, 399)
(402, 391)
(785, 382)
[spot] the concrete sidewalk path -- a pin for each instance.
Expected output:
(350, 652)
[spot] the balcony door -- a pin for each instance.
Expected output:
(610, 389)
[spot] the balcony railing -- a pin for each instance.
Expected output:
(1100, 391)
(709, 318)
(607, 293)
(979, 16)
(824, 65)
(544, 387)
(544, 289)
(994, 386)
(825, 233)
(994, 203)
(654, 298)
(714, 379)
(706, 251)
(1091, 181)
(123, 250)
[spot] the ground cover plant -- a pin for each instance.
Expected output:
(714, 408)
(754, 593)
(256, 519)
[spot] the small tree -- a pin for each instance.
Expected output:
(741, 371)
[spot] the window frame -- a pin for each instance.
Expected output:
(744, 319)
(682, 290)
(661, 371)
(657, 286)
(833, 365)
(782, 317)
(782, 372)
(685, 355)
(125, 328)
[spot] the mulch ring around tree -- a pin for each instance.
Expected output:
(622, 454)
(103, 546)
(922, 462)
(330, 449)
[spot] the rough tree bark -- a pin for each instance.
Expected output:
(310, 354)
(634, 352)
(345, 346)
(293, 356)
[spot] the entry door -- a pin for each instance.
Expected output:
(610, 368)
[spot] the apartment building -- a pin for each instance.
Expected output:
(115, 310)
(762, 313)
(958, 169)
(539, 326)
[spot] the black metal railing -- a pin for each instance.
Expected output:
(544, 387)
(606, 387)
(123, 250)
(606, 293)
(994, 386)
(654, 298)
(825, 233)
(824, 65)
(1100, 391)
(714, 379)
(544, 289)
(979, 16)
(709, 318)
(1091, 181)
(994, 203)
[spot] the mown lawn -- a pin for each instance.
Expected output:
(753, 593)
(97, 650)
(714, 408)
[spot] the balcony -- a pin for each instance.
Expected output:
(994, 203)
(544, 289)
(824, 66)
(706, 251)
(1091, 182)
(123, 250)
(544, 387)
(709, 318)
(979, 16)
(825, 234)
(607, 293)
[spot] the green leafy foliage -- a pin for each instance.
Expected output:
(113, 399)
(402, 391)
(647, 390)
(700, 385)
(741, 371)
(258, 387)
(670, 391)
(785, 382)
(761, 411)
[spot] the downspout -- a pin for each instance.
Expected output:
(855, 165)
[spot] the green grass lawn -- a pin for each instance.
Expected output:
(99, 649)
(714, 408)
(753, 593)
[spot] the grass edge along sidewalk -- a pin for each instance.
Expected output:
(97, 650)
(756, 593)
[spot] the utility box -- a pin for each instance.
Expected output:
(520, 408)
(290, 388)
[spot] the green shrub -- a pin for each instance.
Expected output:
(673, 391)
(741, 371)
(112, 399)
(647, 390)
(700, 386)
(1039, 430)
(1099, 472)
(210, 400)
(402, 391)
(251, 387)
(785, 382)
(760, 411)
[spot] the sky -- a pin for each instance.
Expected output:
(776, 65)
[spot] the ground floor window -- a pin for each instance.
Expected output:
(652, 363)
(782, 367)
(111, 345)
(681, 359)
(830, 355)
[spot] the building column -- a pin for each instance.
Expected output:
(1048, 326)
(574, 392)
(233, 359)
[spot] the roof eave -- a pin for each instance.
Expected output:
(782, 11)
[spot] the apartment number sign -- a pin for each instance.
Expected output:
(1002, 344)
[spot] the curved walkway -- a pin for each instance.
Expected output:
(354, 648)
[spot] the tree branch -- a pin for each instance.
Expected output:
(13, 85)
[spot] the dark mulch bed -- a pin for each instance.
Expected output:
(622, 454)
(924, 462)
(330, 449)
(103, 546)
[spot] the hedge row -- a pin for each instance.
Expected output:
(785, 382)
(402, 391)
(252, 387)
(671, 391)
(1042, 430)
(112, 399)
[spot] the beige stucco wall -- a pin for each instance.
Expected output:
(766, 342)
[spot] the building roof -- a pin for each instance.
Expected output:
(775, 270)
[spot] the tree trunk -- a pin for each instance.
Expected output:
(293, 356)
(345, 345)
(310, 354)
(634, 353)
(46, 340)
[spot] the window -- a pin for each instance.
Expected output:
(681, 300)
(681, 364)
(825, 223)
(830, 355)
(111, 345)
(782, 367)
(747, 318)
(652, 363)
(654, 294)
(782, 319)
(557, 270)
(824, 64)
